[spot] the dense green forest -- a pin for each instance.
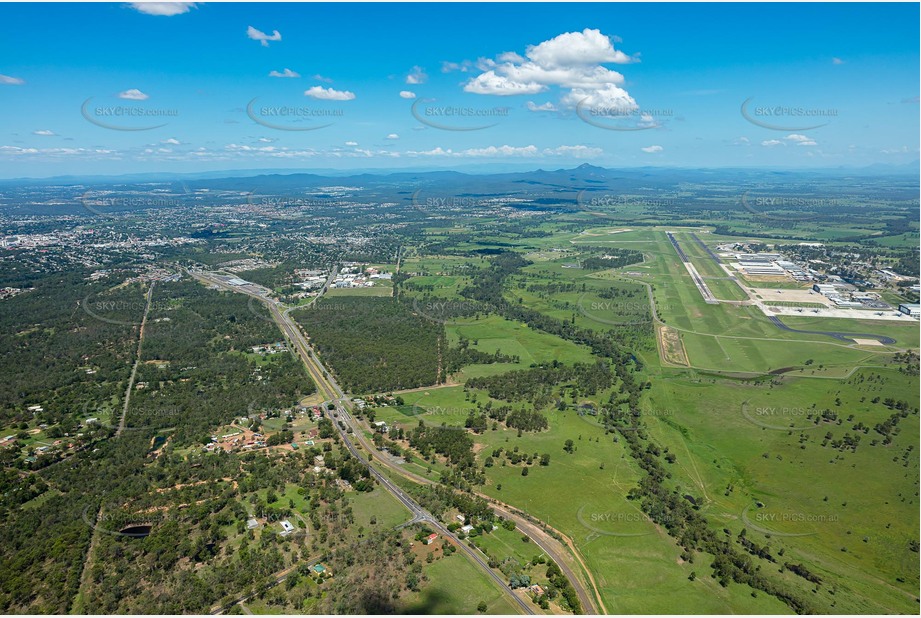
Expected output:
(374, 344)
(55, 335)
(195, 368)
(44, 539)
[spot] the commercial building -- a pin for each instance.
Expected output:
(759, 257)
(760, 268)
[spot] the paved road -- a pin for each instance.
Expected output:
(330, 389)
(704, 246)
(319, 373)
(849, 337)
(540, 538)
(704, 289)
(677, 247)
(334, 392)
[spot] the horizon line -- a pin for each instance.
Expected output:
(383, 171)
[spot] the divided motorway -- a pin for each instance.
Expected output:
(331, 391)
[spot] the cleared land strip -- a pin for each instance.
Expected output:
(670, 347)
(77, 604)
(137, 361)
(709, 298)
(707, 249)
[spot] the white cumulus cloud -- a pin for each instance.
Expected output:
(579, 152)
(800, 140)
(502, 151)
(463, 67)
(569, 49)
(44, 132)
(285, 73)
(96, 153)
(506, 151)
(329, 94)
(652, 149)
(606, 97)
(416, 76)
(163, 9)
(133, 94)
(393, 136)
(571, 61)
(262, 37)
(543, 107)
(406, 94)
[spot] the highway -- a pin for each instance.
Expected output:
(548, 544)
(539, 538)
(331, 391)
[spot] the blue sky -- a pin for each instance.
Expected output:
(117, 88)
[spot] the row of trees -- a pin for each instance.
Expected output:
(679, 514)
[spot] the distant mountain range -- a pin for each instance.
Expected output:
(585, 171)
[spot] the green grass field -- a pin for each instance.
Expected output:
(754, 440)
(714, 276)
(377, 290)
(456, 586)
(586, 501)
(737, 442)
(857, 540)
(738, 338)
(626, 553)
(492, 333)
